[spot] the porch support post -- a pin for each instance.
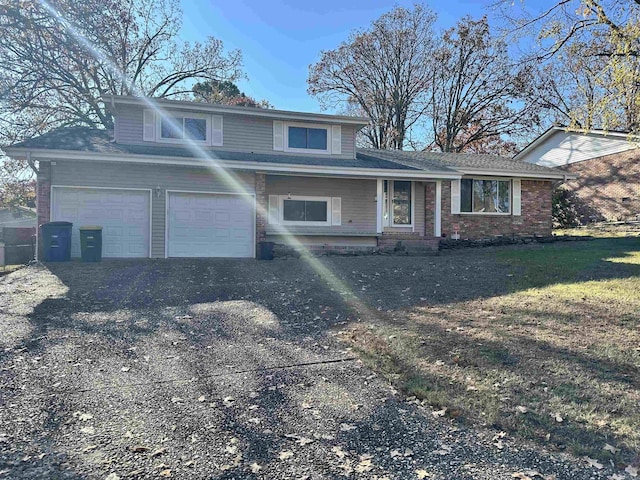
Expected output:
(379, 205)
(437, 224)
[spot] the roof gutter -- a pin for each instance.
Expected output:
(519, 174)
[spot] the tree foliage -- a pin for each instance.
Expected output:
(382, 72)
(225, 93)
(57, 59)
(476, 90)
(590, 52)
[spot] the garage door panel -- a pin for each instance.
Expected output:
(209, 225)
(123, 214)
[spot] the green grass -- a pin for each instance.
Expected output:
(563, 343)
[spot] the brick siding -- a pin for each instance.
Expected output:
(608, 187)
(535, 218)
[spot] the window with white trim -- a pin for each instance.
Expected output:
(485, 196)
(305, 210)
(397, 209)
(307, 138)
(179, 127)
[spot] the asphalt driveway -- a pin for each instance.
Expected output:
(228, 369)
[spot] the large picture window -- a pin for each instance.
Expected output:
(305, 211)
(485, 196)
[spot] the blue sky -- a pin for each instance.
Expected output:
(279, 39)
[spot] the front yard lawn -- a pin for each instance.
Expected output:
(556, 359)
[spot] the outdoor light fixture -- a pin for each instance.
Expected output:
(289, 196)
(158, 191)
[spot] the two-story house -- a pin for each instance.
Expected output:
(187, 179)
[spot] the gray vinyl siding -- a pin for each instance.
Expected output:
(241, 133)
(358, 199)
(122, 175)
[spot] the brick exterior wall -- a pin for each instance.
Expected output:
(535, 218)
(429, 208)
(43, 199)
(608, 188)
(261, 206)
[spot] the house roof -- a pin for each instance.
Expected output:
(85, 139)
(114, 100)
(76, 140)
(461, 162)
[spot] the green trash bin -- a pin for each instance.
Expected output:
(91, 243)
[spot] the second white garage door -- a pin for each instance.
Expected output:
(210, 225)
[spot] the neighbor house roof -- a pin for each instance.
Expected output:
(73, 141)
(608, 141)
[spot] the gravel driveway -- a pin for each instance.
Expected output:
(226, 369)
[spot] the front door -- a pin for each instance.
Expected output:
(397, 203)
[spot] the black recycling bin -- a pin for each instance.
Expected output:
(56, 241)
(91, 243)
(265, 251)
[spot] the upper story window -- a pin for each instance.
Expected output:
(485, 196)
(308, 138)
(183, 128)
(175, 127)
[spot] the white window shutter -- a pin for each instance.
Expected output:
(455, 196)
(278, 135)
(336, 139)
(273, 209)
(517, 196)
(216, 130)
(336, 211)
(149, 129)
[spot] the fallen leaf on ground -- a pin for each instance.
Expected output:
(125, 369)
(443, 450)
(365, 464)
(255, 468)
(557, 417)
(439, 413)
(285, 454)
(83, 416)
(227, 401)
(593, 463)
(522, 409)
(345, 427)
(158, 452)
(165, 473)
(112, 476)
(339, 452)
(422, 474)
(139, 449)
(610, 448)
(89, 448)
(201, 398)
(88, 430)
(176, 400)
(616, 476)
(633, 471)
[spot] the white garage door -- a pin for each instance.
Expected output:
(210, 225)
(123, 215)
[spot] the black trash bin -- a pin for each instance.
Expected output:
(91, 243)
(56, 241)
(265, 251)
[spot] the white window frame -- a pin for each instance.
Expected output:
(282, 199)
(498, 179)
(390, 188)
(319, 126)
(198, 116)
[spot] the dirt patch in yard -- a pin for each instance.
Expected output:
(550, 353)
